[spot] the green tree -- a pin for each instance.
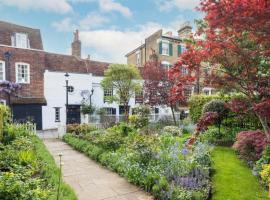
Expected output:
(125, 81)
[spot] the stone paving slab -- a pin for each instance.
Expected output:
(90, 180)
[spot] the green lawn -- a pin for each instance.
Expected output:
(232, 178)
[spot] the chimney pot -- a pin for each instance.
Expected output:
(76, 45)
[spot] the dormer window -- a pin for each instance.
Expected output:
(20, 40)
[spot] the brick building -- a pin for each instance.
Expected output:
(24, 61)
(166, 46)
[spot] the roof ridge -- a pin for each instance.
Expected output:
(10, 23)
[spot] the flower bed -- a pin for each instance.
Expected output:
(27, 170)
(159, 164)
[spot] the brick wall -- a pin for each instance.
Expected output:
(36, 60)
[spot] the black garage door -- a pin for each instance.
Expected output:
(30, 112)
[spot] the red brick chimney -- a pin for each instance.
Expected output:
(76, 45)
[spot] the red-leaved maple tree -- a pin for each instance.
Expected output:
(234, 39)
(157, 86)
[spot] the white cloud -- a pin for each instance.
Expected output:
(112, 45)
(167, 5)
(110, 5)
(64, 25)
(58, 6)
(91, 20)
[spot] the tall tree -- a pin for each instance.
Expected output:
(157, 86)
(235, 41)
(125, 82)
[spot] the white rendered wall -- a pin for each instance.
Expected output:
(55, 94)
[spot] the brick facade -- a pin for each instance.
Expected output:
(40, 61)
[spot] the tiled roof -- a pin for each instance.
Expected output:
(67, 63)
(8, 29)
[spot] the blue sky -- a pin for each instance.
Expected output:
(108, 28)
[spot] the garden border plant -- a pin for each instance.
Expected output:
(159, 164)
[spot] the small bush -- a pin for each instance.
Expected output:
(265, 159)
(196, 103)
(250, 144)
(78, 129)
(172, 130)
(224, 137)
(265, 174)
(140, 117)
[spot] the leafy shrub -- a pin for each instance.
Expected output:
(217, 106)
(145, 146)
(19, 186)
(250, 144)
(87, 109)
(156, 163)
(140, 117)
(13, 131)
(80, 128)
(224, 137)
(4, 119)
(265, 174)
(122, 128)
(265, 159)
(173, 130)
(110, 140)
(196, 103)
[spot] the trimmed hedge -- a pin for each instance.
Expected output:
(196, 103)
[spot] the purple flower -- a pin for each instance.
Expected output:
(184, 151)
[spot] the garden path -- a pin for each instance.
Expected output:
(90, 180)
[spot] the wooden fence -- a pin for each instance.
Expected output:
(29, 127)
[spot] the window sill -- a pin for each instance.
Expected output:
(23, 83)
(165, 54)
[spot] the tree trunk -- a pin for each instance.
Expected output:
(126, 112)
(265, 126)
(174, 120)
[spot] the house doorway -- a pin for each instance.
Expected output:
(74, 114)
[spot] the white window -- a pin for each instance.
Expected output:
(57, 114)
(107, 93)
(110, 111)
(138, 58)
(2, 71)
(165, 48)
(166, 65)
(22, 73)
(183, 48)
(184, 71)
(20, 40)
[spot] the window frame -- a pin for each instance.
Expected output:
(107, 93)
(167, 65)
(17, 72)
(57, 118)
(138, 58)
(3, 70)
(110, 111)
(16, 40)
(168, 50)
(184, 70)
